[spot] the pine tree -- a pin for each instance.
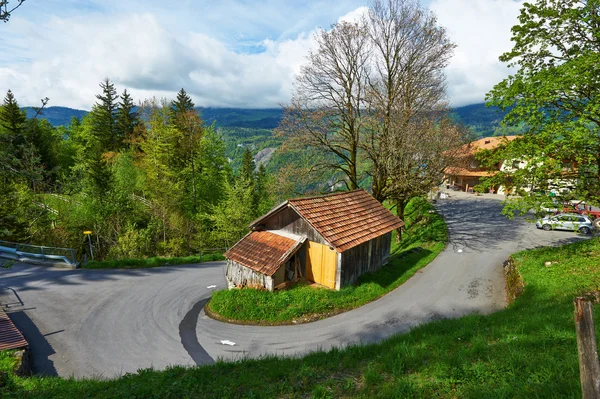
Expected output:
(104, 118)
(100, 139)
(189, 125)
(182, 104)
(12, 120)
(248, 166)
(126, 119)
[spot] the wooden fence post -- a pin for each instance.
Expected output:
(587, 348)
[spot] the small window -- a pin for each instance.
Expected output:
(582, 220)
(516, 164)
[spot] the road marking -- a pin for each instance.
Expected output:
(211, 286)
(227, 342)
(459, 250)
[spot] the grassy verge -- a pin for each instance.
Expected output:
(152, 262)
(425, 238)
(528, 350)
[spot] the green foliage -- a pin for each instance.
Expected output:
(425, 238)
(126, 119)
(555, 94)
(232, 216)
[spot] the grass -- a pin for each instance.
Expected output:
(152, 262)
(424, 239)
(528, 350)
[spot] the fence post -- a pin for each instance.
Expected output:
(587, 348)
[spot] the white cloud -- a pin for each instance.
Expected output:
(211, 51)
(481, 29)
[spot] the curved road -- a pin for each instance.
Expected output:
(109, 322)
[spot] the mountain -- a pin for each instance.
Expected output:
(57, 116)
(483, 120)
(267, 118)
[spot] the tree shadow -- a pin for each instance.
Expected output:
(41, 350)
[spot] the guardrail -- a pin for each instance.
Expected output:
(15, 250)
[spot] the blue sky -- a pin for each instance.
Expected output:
(239, 53)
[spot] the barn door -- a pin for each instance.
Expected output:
(321, 262)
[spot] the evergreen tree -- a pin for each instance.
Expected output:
(104, 118)
(127, 118)
(12, 119)
(189, 125)
(248, 166)
(182, 104)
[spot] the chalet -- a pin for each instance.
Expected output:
(467, 171)
(329, 240)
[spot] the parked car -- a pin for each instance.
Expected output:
(566, 221)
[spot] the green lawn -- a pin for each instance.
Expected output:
(528, 350)
(424, 239)
(152, 262)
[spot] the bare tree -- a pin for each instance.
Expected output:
(5, 11)
(429, 143)
(409, 129)
(325, 112)
(372, 98)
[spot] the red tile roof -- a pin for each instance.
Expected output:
(347, 219)
(10, 337)
(263, 251)
(486, 143)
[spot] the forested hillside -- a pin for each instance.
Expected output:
(146, 180)
(242, 128)
(158, 178)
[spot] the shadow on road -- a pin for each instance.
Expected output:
(40, 348)
(23, 277)
(189, 339)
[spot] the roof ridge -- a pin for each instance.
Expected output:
(327, 195)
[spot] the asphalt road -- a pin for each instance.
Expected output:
(110, 322)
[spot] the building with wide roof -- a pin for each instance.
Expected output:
(329, 240)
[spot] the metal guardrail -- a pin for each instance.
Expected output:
(66, 255)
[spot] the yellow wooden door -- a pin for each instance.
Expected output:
(328, 267)
(314, 258)
(321, 262)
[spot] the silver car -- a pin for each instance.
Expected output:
(566, 221)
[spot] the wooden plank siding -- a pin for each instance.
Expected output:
(289, 221)
(239, 276)
(366, 257)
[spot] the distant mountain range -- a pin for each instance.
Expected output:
(482, 119)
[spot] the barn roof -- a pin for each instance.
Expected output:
(263, 251)
(345, 220)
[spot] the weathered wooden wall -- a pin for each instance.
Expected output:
(288, 220)
(366, 257)
(239, 275)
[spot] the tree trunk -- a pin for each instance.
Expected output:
(400, 205)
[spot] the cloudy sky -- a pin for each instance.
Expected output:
(228, 53)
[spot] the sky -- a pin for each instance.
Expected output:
(227, 53)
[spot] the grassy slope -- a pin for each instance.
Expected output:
(425, 238)
(528, 350)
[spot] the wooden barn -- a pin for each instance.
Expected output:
(329, 240)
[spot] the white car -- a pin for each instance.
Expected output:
(566, 221)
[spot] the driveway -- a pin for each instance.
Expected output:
(109, 322)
